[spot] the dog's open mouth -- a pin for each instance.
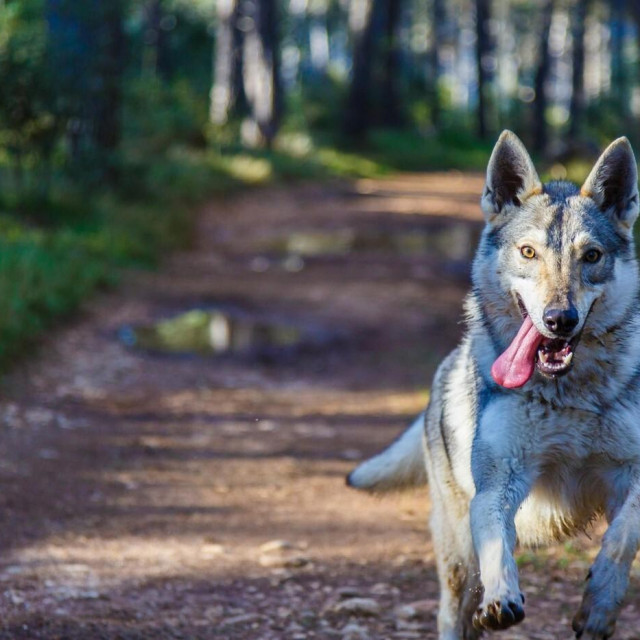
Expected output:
(554, 357)
(531, 350)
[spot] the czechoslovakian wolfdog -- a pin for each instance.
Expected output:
(533, 427)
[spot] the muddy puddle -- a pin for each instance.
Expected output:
(449, 242)
(218, 332)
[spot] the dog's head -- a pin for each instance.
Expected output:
(559, 258)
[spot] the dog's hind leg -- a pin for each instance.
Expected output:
(460, 589)
(609, 575)
(470, 602)
(458, 574)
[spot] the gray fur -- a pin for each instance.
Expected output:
(539, 462)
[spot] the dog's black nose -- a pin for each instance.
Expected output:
(561, 321)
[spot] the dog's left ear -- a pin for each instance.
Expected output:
(511, 176)
(613, 183)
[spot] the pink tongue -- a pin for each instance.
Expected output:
(515, 366)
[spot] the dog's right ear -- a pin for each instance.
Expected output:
(511, 176)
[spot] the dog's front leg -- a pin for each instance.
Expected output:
(608, 577)
(502, 482)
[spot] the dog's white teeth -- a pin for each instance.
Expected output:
(544, 357)
(567, 359)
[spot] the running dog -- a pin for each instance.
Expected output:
(533, 426)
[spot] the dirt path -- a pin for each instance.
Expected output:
(149, 495)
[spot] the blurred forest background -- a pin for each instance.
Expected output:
(117, 116)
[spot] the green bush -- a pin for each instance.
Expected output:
(158, 115)
(41, 277)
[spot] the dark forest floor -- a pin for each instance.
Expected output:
(151, 495)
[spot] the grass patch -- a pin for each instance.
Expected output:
(42, 277)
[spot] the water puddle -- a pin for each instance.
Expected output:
(451, 242)
(220, 332)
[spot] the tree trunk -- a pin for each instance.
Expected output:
(540, 83)
(108, 90)
(156, 59)
(262, 68)
(240, 105)
(69, 50)
(438, 18)
(227, 92)
(484, 47)
(357, 119)
(634, 7)
(224, 67)
(318, 39)
(619, 88)
(86, 46)
(390, 86)
(576, 110)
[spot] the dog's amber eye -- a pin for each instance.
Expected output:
(528, 252)
(592, 256)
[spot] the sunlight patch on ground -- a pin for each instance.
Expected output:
(427, 205)
(446, 194)
(451, 182)
(291, 402)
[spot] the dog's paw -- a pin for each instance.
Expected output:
(593, 625)
(593, 622)
(499, 614)
(606, 586)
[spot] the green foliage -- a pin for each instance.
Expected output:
(604, 123)
(28, 124)
(410, 151)
(158, 115)
(319, 104)
(41, 276)
(46, 273)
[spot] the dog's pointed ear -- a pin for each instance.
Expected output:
(613, 184)
(511, 176)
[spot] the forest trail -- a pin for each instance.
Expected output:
(166, 495)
